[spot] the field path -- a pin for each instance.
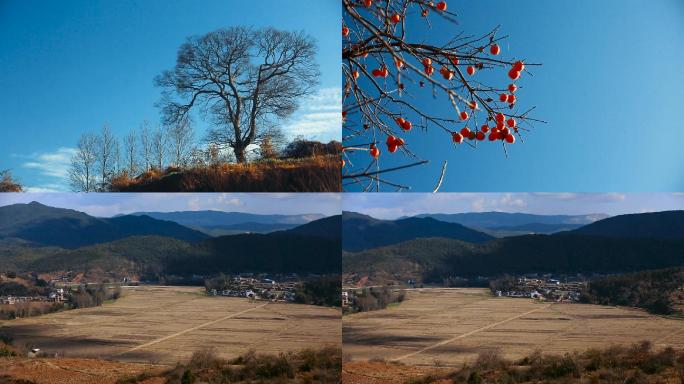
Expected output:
(171, 336)
(464, 335)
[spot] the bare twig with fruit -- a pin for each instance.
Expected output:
(380, 67)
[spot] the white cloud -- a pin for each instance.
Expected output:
(52, 164)
(320, 116)
(50, 187)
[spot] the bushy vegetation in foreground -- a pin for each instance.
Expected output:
(306, 366)
(637, 364)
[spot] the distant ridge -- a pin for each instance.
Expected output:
(664, 225)
(44, 225)
(364, 232)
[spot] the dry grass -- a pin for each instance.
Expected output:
(167, 324)
(638, 363)
(8, 184)
(314, 174)
(455, 326)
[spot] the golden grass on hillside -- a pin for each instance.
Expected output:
(8, 184)
(314, 174)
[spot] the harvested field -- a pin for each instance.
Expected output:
(447, 327)
(164, 325)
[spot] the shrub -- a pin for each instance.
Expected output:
(7, 182)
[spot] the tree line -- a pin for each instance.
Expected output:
(100, 157)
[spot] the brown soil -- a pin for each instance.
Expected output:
(74, 371)
(365, 372)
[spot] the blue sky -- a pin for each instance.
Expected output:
(110, 204)
(611, 87)
(394, 205)
(69, 67)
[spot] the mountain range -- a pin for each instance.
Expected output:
(363, 232)
(216, 223)
(502, 224)
(38, 238)
(49, 226)
(617, 244)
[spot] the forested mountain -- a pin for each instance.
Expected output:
(666, 224)
(309, 249)
(361, 232)
(614, 245)
(329, 227)
(436, 258)
(43, 225)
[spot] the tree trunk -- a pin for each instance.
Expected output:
(240, 154)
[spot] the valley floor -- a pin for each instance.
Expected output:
(165, 325)
(439, 327)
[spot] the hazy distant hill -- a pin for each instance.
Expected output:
(218, 218)
(667, 224)
(511, 220)
(67, 228)
(527, 229)
(363, 232)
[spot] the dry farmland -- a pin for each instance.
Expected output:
(446, 327)
(165, 325)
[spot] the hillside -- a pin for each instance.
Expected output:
(657, 291)
(667, 224)
(329, 227)
(313, 174)
(49, 226)
(361, 232)
(152, 257)
(435, 259)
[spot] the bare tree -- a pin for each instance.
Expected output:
(146, 145)
(106, 156)
(246, 79)
(180, 137)
(82, 174)
(130, 143)
(159, 148)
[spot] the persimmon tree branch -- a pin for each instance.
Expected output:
(383, 69)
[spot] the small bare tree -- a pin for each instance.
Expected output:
(248, 80)
(159, 148)
(180, 138)
(130, 144)
(146, 145)
(82, 173)
(106, 156)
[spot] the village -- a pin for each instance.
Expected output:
(260, 287)
(545, 288)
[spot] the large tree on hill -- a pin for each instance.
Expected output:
(247, 80)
